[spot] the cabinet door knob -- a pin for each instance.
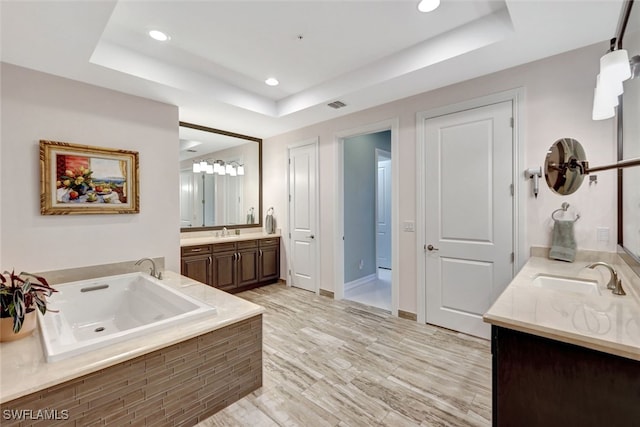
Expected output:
(312, 236)
(209, 260)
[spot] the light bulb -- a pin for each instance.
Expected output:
(196, 168)
(159, 35)
(240, 170)
(210, 169)
(428, 5)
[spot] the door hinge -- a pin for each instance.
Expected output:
(289, 198)
(511, 189)
(289, 272)
(289, 160)
(513, 257)
(289, 235)
(511, 122)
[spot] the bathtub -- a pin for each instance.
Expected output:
(99, 312)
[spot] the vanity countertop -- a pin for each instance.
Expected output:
(604, 322)
(211, 238)
(23, 369)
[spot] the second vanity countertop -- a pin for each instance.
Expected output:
(24, 370)
(210, 238)
(605, 322)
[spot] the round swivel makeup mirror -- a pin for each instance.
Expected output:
(565, 166)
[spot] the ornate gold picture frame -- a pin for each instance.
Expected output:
(80, 179)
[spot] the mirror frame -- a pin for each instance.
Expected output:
(240, 136)
(625, 254)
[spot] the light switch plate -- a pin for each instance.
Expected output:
(603, 234)
(409, 226)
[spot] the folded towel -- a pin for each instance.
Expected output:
(563, 241)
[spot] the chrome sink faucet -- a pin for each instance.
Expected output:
(615, 284)
(154, 271)
(225, 232)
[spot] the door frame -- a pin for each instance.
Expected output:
(316, 262)
(394, 126)
(516, 96)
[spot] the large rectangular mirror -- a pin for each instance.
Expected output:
(629, 142)
(220, 179)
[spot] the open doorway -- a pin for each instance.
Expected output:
(367, 219)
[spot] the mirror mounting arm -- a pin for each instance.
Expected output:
(619, 165)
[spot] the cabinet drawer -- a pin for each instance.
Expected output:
(224, 247)
(247, 244)
(196, 250)
(269, 242)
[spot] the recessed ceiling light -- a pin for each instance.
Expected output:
(272, 81)
(428, 5)
(158, 35)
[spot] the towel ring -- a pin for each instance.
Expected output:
(270, 209)
(564, 208)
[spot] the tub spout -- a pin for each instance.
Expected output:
(154, 272)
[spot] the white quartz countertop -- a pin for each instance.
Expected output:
(211, 238)
(23, 369)
(604, 322)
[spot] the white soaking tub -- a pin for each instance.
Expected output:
(98, 312)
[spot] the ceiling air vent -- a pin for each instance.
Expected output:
(337, 104)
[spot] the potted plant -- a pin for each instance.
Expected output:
(20, 295)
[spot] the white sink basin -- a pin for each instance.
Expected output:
(582, 286)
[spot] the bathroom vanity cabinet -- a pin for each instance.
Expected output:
(233, 266)
(543, 382)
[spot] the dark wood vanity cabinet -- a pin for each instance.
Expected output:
(196, 263)
(234, 266)
(269, 259)
(543, 382)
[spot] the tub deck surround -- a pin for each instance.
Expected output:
(23, 369)
(208, 237)
(605, 322)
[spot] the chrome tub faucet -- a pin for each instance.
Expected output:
(153, 271)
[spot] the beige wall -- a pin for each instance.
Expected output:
(557, 103)
(41, 106)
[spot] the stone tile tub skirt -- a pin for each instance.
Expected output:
(178, 385)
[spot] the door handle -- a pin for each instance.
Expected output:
(432, 248)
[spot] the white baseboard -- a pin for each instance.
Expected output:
(359, 282)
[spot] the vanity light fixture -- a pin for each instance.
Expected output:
(615, 68)
(159, 35)
(428, 5)
(218, 167)
(271, 81)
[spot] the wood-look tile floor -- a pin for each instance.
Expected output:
(339, 363)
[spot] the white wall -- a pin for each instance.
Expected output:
(41, 106)
(557, 104)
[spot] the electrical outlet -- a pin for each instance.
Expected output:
(409, 226)
(361, 265)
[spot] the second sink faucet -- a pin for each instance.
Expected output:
(154, 272)
(615, 284)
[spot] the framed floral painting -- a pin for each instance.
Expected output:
(80, 179)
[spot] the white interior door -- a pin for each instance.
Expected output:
(383, 209)
(302, 216)
(469, 225)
